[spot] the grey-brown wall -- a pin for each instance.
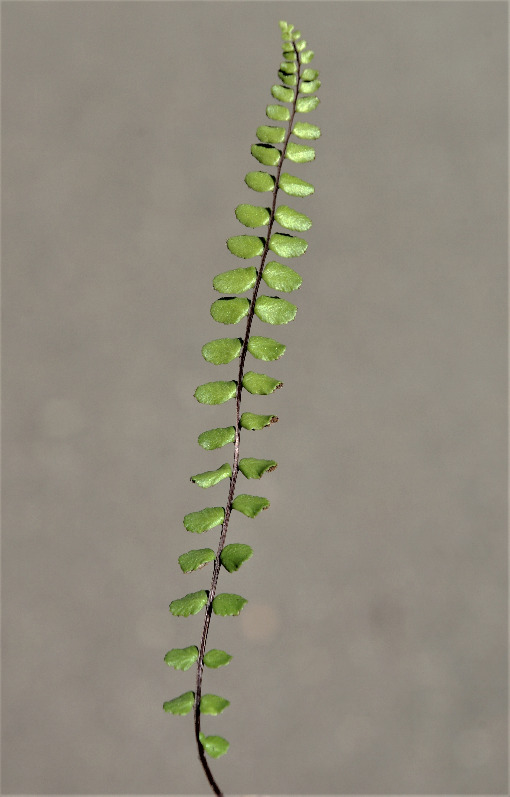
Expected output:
(371, 657)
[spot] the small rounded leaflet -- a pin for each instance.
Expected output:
(299, 153)
(250, 505)
(305, 130)
(246, 246)
(260, 181)
(230, 310)
(234, 554)
(190, 604)
(182, 658)
(309, 74)
(216, 438)
(309, 86)
(236, 280)
(180, 705)
(307, 56)
(291, 219)
(228, 605)
(265, 348)
(289, 80)
(281, 278)
(287, 245)
(260, 384)
(294, 186)
(279, 113)
(222, 350)
(212, 477)
(215, 658)
(215, 392)
(306, 104)
(215, 746)
(253, 422)
(196, 559)
(289, 67)
(282, 94)
(204, 519)
(253, 468)
(252, 216)
(269, 134)
(273, 310)
(266, 154)
(213, 704)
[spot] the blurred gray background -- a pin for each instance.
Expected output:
(371, 657)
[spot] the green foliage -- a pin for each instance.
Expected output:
(180, 705)
(228, 605)
(211, 477)
(215, 746)
(216, 438)
(253, 422)
(205, 519)
(212, 704)
(190, 604)
(196, 559)
(216, 658)
(276, 143)
(233, 556)
(250, 505)
(265, 348)
(182, 658)
(255, 468)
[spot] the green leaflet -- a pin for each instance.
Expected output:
(305, 130)
(180, 705)
(294, 186)
(254, 422)
(182, 658)
(255, 468)
(265, 348)
(196, 559)
(278, 112)
(215, 392)
(229, 311)
(287, 245)
(215, 746)
(216, 438)
(212, 477)
(281, 93)
(307, 56)
(233, 556)
(266, 154)
(259, 384)
(249, 505)
(213, 704)
(292, 219)
(259, 181)
(228, 604)
(190, 604)
(290, 68)
(289, 80)
(309, 74)
(271, 135)
(309, 86)
(216, 658)
(205, 519)
(299, 153)
(222, 350)
(281, 278)
(307, 104)
(237, 280)
(252, 216)
(246, 246)
(273, 310)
